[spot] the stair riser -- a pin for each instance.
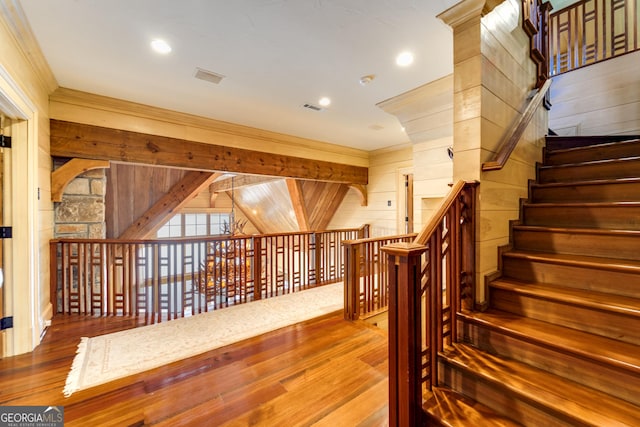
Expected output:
(585, 172)
(577, 277)
(496, 397)
(594, 193)
(601, 245)
(606, 323)
(587, 372)
(618, 217)
(593, 153)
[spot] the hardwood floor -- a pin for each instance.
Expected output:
(324, 372)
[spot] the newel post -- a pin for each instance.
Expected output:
(405, 388)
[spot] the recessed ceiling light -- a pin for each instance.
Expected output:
(160, 46)
(324, 101)
(404, 59)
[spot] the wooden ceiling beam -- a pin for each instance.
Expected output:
(169, 204)
(94, 142)
(297, 200)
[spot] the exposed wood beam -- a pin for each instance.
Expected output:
(239, 182)
(335, 196)
(183, 191)
(62, 176)
(297, 200)
(87, 141)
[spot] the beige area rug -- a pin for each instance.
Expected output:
(108, 357)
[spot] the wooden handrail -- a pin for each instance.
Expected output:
(512, 137)
(435, 221)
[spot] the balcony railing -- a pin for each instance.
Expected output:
(166, 279)
(590, 31)
(366, 282)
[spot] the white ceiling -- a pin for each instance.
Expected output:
(276, 55)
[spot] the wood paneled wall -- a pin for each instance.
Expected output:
(492, 75)
(600, 99)
(383, 210)
(132, 190)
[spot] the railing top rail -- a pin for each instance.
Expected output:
(444, 206)
(201, 238)
(377, 239)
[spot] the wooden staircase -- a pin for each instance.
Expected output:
(559, 344)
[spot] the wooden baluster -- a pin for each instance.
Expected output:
(405, 388)
(351, 280)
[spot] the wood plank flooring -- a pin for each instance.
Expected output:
(323, 372)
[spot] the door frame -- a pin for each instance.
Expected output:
(22, 290)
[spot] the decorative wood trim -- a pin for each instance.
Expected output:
(297, 201)
(80, 140)
(62, 176)
(362, 191)
(169, 204)
(512, 137)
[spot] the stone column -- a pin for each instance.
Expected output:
(81, 213)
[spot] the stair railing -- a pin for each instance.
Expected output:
(591, 31)
(431, 280)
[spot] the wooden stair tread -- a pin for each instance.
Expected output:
(455, 410)
(557, 142)
(582, 204)
(619, 354)
(624, 265)
(631, 140)
(592, 162)
(601, 231)
(587, 182)
(570, 400)
(591, 299)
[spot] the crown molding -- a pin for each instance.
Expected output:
(15, 21)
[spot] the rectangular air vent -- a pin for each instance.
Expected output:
(208, 76)
(312, 107)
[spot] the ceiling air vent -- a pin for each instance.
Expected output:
(208, 76)
(312, 107)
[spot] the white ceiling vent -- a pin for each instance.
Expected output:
(208, 76)
(312, 107)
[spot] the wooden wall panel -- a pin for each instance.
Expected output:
(600, 99)
(132, 190)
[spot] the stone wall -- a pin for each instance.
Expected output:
(81, 213)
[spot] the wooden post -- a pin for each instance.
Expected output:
(351, 280)
(405, 388)
(257, 267)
